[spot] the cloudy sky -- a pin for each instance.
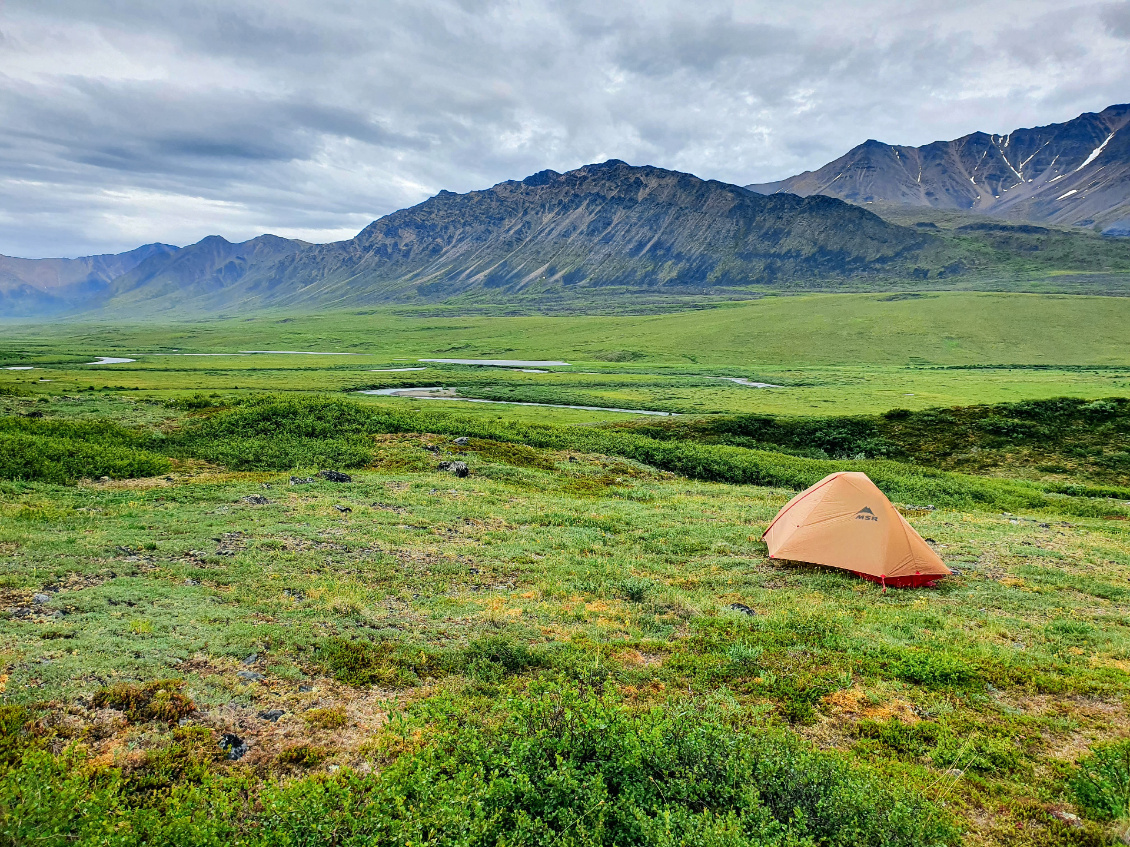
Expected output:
(129, 121)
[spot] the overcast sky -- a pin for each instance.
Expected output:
(129, 121)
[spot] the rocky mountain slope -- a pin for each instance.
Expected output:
(1075, 173)
(600, 226)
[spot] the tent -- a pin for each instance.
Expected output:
(845, 521)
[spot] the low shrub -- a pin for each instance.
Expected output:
(16, 735)
(518, 455)
(577, 764)
(494, 658)
(301, 756)
(194, 751)
(562, 767)
(797, 689)
(267, 432)
(975, 751)
(361, 663)
(385, 663)
(329, 718)
(196, 402)
(284, 452)
(935, 670)
(744, 657)
(160, 700)
(635, 590)
(905, 740)
(1101, 783)
(34, 453)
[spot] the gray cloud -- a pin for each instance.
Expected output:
(123, 121)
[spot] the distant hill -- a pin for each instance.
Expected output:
(1075, 173)
(201, 271)
(46, 286)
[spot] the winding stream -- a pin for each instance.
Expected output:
(434, 393)
(500, 363)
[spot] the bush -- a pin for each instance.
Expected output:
(160, 700)
(563, 767)
(63, 452)
(188, 759)
(935, 671)
(1101, 783)
(330, 718)
(301, 756)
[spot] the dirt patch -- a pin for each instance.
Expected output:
(77, 581)
(637, 658)
(294, 544)
(388, 507)
(363, 712)
(268, 718)
(855, 704)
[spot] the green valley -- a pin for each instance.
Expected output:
(205, 640)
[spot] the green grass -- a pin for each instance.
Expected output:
(555, 644)
(468, 589)
(842, 354)
(939, 328)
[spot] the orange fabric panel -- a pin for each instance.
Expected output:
(845, 521)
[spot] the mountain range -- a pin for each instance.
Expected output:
(43, 286)
(607, 227)
(1075, 173)
(613, 232)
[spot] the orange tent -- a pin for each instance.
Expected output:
(845, 521)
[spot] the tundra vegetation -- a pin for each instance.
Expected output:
(582, 641)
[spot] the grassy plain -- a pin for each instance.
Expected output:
(404, 652)
(851, 354)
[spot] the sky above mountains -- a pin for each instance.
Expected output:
(124, 122)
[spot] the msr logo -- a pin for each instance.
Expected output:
(865, 514)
